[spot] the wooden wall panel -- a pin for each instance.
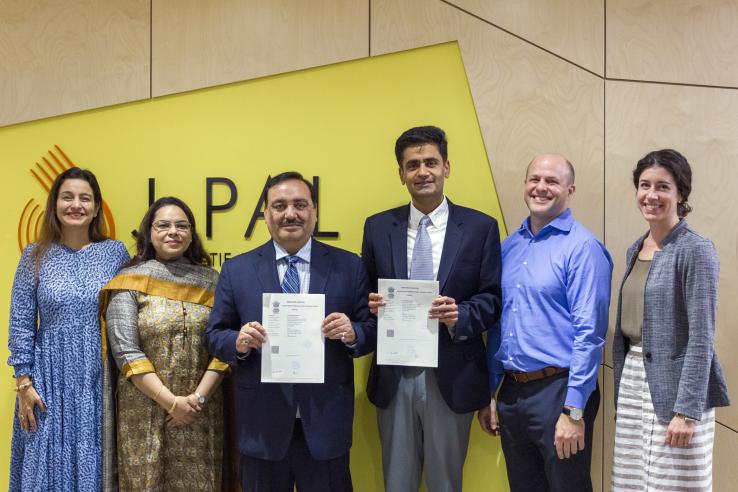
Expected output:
(724, 471)
(573, 29)
(62, 56)
(199, 44)
(699, 122)
(527, 101)
(685, 41)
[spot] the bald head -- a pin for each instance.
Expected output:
(549, 187)
(557, 160)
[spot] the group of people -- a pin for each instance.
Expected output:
(118, 362)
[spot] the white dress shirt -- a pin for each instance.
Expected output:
(436, 232)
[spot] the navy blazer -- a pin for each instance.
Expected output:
(469, 272)
(265, 412)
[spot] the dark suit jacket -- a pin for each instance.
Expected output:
(470, 273)
(266, 411)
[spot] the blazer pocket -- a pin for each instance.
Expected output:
(678, 357)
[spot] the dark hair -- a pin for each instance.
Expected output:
(420, 135)
(289, 175)
(145, 249)
(678, 167)
(51, 230)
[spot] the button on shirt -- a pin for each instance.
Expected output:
(555, 300)
(436, 232)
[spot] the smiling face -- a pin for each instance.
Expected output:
(657, 196)
(75, 205)
(171, 233)
(423, 171)
(548, 189)
(290, 214)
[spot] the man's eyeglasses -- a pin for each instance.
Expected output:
(165, 226)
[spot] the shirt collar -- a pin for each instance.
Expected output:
(303, 253)
(438, 217)
(563, 222)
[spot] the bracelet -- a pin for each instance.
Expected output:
(174, 405)
(156, 396)
(22, 387)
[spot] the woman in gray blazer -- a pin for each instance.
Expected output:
(667, 376)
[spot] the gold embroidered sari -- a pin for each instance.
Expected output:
(155, 314)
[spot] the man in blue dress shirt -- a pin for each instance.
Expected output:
(556, 293)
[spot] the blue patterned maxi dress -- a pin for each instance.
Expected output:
(63, 357)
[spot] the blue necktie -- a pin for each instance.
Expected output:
(291, 280)
(421, 267)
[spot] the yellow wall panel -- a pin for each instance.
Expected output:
(683, 41)
(339, 123)
(527, 101)
(62, 56)
(200, 44)
(573, 29)
(700, 123)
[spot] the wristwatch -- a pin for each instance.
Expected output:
(200, 399)
(573, 413)
(686, 419)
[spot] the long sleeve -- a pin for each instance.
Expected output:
(23, 315)
(588, 294)
(121, 319)
(363, 323)
(223, 326)
(700, 296)
(482, 311)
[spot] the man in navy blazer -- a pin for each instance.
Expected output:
(292, 433)
(424, 414)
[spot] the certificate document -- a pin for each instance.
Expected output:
(294, 348)
(406, 336)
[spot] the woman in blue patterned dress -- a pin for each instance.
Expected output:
(55, 342)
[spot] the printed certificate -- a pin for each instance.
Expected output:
(406, 336)
(294, 348)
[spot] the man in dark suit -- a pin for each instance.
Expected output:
(292, 433)
(424, 414)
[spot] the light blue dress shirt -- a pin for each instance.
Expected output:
(555, 300)
(303, 267)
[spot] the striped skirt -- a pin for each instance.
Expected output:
(641, 459)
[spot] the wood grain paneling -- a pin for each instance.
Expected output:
(700, 123)
(62, 56)
(199, 44)
(685, 41)
(573, 29)
(724, 471)
(527, 101)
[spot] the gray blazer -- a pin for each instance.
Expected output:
(680, 302)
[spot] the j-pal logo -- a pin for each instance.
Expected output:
(44, 173)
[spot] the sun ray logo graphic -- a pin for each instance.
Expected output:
(29, 223)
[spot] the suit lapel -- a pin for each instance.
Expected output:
(266, 269)
(398, 242)
(320, 267)
(451, 243)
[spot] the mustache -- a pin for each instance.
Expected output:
(291, 222)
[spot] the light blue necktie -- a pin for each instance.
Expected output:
(421, 267)
(291, 280)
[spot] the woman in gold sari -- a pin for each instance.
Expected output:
(169, 404)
